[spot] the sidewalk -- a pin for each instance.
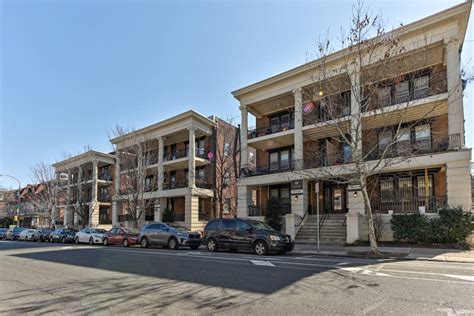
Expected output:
(431, 254)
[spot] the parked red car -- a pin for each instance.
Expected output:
(121, 236)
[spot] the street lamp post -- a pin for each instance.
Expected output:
(19, 188)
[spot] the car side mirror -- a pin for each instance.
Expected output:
(166, 229)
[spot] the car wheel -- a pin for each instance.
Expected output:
(125, 243)
(194, 247)
(91, 241)
(173, 243)
(144, 242)
(212, 245)
(63, 240)
(260, 248)
(105, 242)
(76, 240)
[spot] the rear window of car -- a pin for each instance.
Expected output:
(212, 225)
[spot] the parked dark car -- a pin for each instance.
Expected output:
(121, 236)
(3, 233)
(62, 235)
(245, 234)
(42, 234)
(14, 233)
(168, 235)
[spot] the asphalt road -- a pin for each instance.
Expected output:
(46, 278)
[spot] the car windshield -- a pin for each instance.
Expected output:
(131, 231)
(98, 231)
(260, 225)
(178, 227)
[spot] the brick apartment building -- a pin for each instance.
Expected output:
(292, 128)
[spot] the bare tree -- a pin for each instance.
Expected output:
(135, 179)
(348, 89)
(46, 197)
(226, 162)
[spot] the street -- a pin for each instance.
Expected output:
(40, 278)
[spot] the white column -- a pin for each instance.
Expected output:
(355, 217)
(79, 191)
(298, 135)
(191, 211)
(244, 155)
(161, 147)
(93, 206)
(356, 115)
(192, 157)
(455, 97)
(299, 203)
(116, 189)
(243, 201)
(458, 180)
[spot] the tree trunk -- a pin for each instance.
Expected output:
(370, 218)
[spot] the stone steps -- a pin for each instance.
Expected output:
(332, 230)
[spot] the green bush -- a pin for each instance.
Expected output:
(409, 227)
(167, 216)
(274, 213)
(452, 226)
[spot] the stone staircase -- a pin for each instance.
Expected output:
(333, 230)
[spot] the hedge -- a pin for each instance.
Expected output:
(452, 226)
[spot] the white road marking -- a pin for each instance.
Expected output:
(452, 311)
(461, 277)
(262, 263)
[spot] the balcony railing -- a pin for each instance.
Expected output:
(104, 198)
(105, 176)
(175, 185)
(409, 205)
(269, 169)
(125, 218)
(203, 183)
(177, 154)
(267, 130)
(105, 221)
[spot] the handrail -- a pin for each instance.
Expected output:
(302, 218)
(321, 222)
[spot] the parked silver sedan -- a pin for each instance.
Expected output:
(27, 235)
(168, 235)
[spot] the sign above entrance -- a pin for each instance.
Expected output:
(297, 187)
(353, 187)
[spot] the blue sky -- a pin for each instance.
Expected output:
(71, 70)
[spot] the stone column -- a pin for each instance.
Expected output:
(299, 205)
(68, 213)
(116, 189)
(192, 158)
(244, 155)
(356, 115)
(355, 217)
(158, 210)
(191, 211)
(455, 97)
(79, 191)
(243, 201)
(93, 206)
(458, 180)
(161, 146)
(298, 135)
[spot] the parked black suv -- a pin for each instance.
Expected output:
(245, 234)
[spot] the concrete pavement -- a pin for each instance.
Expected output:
(68, 279)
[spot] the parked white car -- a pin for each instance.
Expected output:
(27, 234)
(90, 235)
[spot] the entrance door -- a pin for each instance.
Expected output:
(334, 198)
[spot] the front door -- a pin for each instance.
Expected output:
(334, 199)
(242, 238)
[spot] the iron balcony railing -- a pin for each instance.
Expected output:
(175, 185)
(203, 183)
(268, 130)
(409, 204)
(177, 154)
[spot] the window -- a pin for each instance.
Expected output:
(275, 124)
(213, 225)
(149, 183)
(386, 189)
(274, 161)
(347, 151)
(423, 136)
(421, 87)
(405, 188)
(200, 146)
(201, 173)
(243, 226)
(402, 92)
(228, 225)
(251, 158)
(285, 121)
(337, 199)
(226, 178)
(274, 193)
(384, 140)
(421, 187)
(385, 96)
(227, 149)
(173, 176)
(285, 159)
(403, 141)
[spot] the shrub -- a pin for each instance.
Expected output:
(452, 226)
(167, 216)
(274, 213)
(409, 227)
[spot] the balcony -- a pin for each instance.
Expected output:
(321, 159)
(409, 204)
(105, 177)
(270, 169)
(177, 154)
(268, 130)
(104, 198)
(175, 185)
(203, 183)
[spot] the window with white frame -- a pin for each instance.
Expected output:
(385, 138)
(403, 141)
(423, 136)
(227, 149)
(421, 87)
(274, 161)
(402, 92)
